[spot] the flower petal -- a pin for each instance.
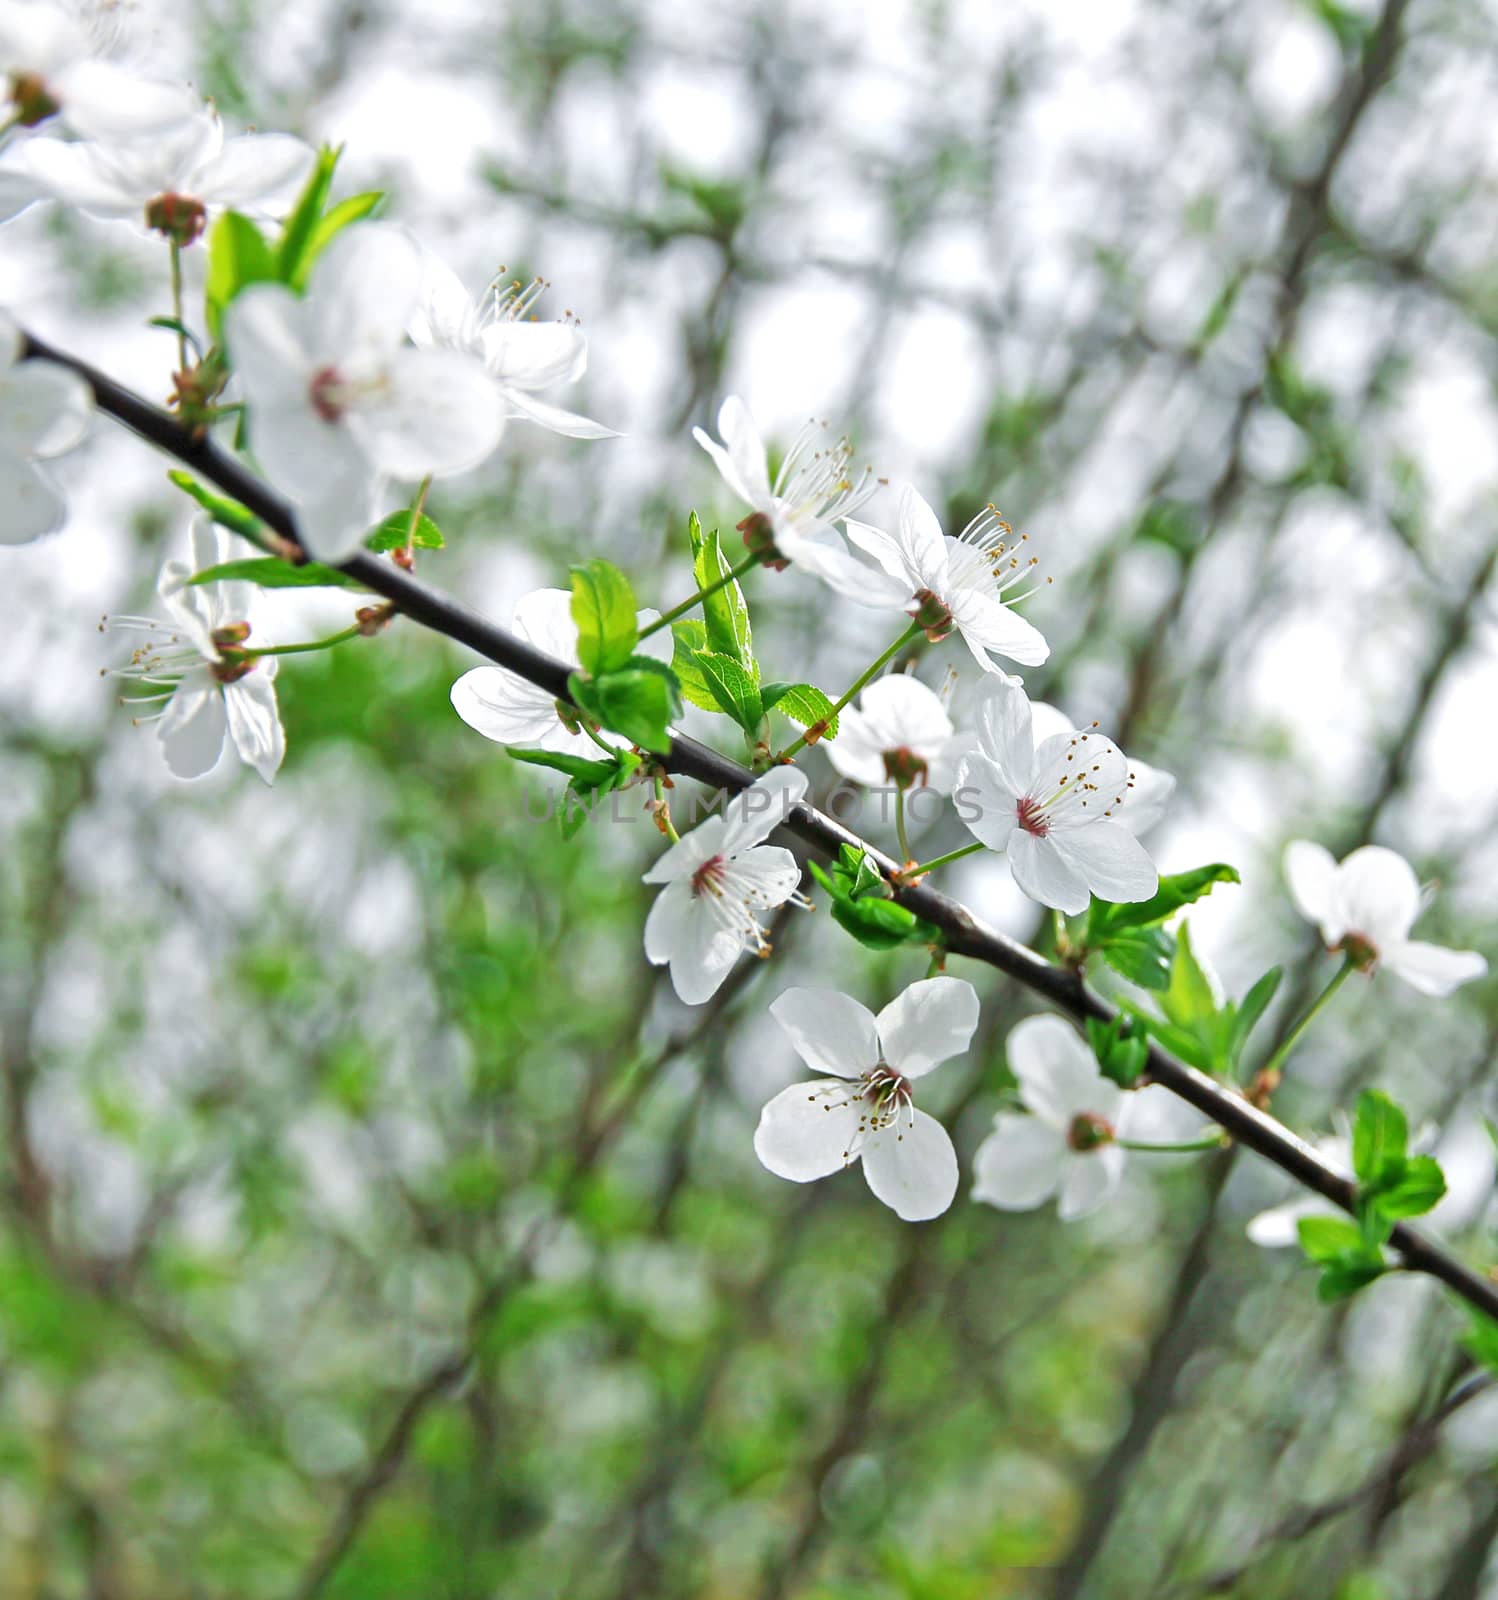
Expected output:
(570, 424)
(754, 814)
(503, 706)
(363, 290)
(1311, 874)
(33, 505)
(746, 452)
(1005, 733)
(928, 1023)
(256, 172)
(921, 540)
(986, 623)
(985, 803)
(101, 100)
(1378, 895)
(1112, 862)
(44, 408)
(192, 730)
(255, 721)
(1087, 1180)
(1145, 799)
(439, 414)
(886, 550)
(830, 1031)
(1431, 968)
(688, 853)
(700, 948)
(806, 1131)
(534, 355)
(1042, 873)
(88, 176)
(911, 1166)
(1018, 1166)
(1058, 1074)
(544, 618)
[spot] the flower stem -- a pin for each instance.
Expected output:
(296, 649)
(910, 874)
(905, 854)
(175, 252)
(663, 810)
(731, 576)
(912, 633)
(418, 505)
(1269, 1073)
(597, 738)
(1214, 1141)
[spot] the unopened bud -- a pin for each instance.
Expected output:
(568, 716)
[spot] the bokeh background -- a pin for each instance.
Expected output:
(377, 1226)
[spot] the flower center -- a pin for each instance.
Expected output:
(904, 768)
(932, 613)
(1032, 817)
(1088, 1131)
(816, 481)
(1360, 950)
(759, 540)
(33, 101)
(994, 558)
(329, 394)
(710, 877)
(181, 218)
(887, 1093)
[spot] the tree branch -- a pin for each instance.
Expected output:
(962, 932)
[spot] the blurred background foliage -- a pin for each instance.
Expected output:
(377, 1225)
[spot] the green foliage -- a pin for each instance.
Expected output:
(689, 638)
(588, 781)
(1128, 935)
(1121, 1047)
(294, 253)
(639, 699)
(734, 691)
(394, 533)
(803, 703)
(1482, 1340)
(725, 614)
(227, 513)
(238, 255)
(355, 209)
(603, 607)
(1348, 1261)
(270, 572)
(863, 904)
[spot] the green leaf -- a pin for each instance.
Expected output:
(579, 767)
(803, 703)
(1255, 1003)
(1342, 1279)
(725, 614)
(1188, 1000)
(1181, 889)
(861, 904)
(394, 531)
(1142, 956)
(1121, 1052)
(1482, 1340)
(270, 572)
(238, 256)
(732, 687)
(589, 780)
(227, 513)
(639, 699)
(294, 256)
(1329, 1238)
(603, 607)
(352, 210)
(1418, 1189)
(690, 637)
(1380, 1136)
(1348, 1260)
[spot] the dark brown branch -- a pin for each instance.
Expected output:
(962, 933)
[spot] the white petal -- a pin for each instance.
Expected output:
(192, 730)
(928, 1023)
(806, 1131)
(503, 706)
(1087, 1179)
(1112, 862)
(746, 452)
(985, 803)
(819, 549)
(571, 424)
(1146, 798)
(830, 1031)
(335, 519)
(364, 288)
(534, 355)
(858, 750)
(755, 814)
(1018, 1166)
(702, 951)
(90, 177)
(101, 100)
(1043, 874)
(445, 313)
(544, 618)
(44, 408)
(912, 1167)
(986, 623)
(256, 172)
(921, 540)
(688, 853)
(1005, 732)
(1431, 968)
(32, 504)
(439, 414)
(910, 715)
(255, 721)
(1058, 1074)
(766, 875)
(886, 550)
(666, 923)
(1378, 895)
(1311, 873)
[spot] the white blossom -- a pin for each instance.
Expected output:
(172, 181)
(719, 879)
(899, 732)
(44, 412)
(53, 64)
(205, 686)
(813, 489)
(1366, 906)
(512, 710)
(861, 1106)
(521, 354)
(1150, 788)
(1067, 1145)
(963, 583)
(1055, 808)
(336, 404)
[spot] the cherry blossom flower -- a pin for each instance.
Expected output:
(791, 519)
(510, 709)
(959, 583)
(861, 1106)
(899, 732)
(171, 182)
(44, 412)
(718, 879)
(1150, 788)
(192, 665)
(51, 65)
(521, 354)
(1056, 809)
(1067, 1145)
(336, 405)
(1366, 907)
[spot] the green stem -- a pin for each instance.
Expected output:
(1187, 1147)
(663, 811)
(911, 873)
(1276, 1062)
(731, 576)
(913, 632)
(296, 649)
(418, 505)
(175, 251)
(597, 738)
(905, 854)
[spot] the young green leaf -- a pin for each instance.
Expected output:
(346, 212)
(802, 703)
(1253, 1006)
(1380, 1138)
(603, 607)
(1188, 1000)
(227, 513)
(294, 252)
(689, 637)
(733, 689)
(579, 767)
(725, 615)
(238, 256)
(270, 572)
(1142, 955)
(1418, 1189)
(1347, 1259)
(861, 904)
(394, 532)
(1181, 889)
(639, 699)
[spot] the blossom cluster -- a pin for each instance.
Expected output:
(352, 359)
